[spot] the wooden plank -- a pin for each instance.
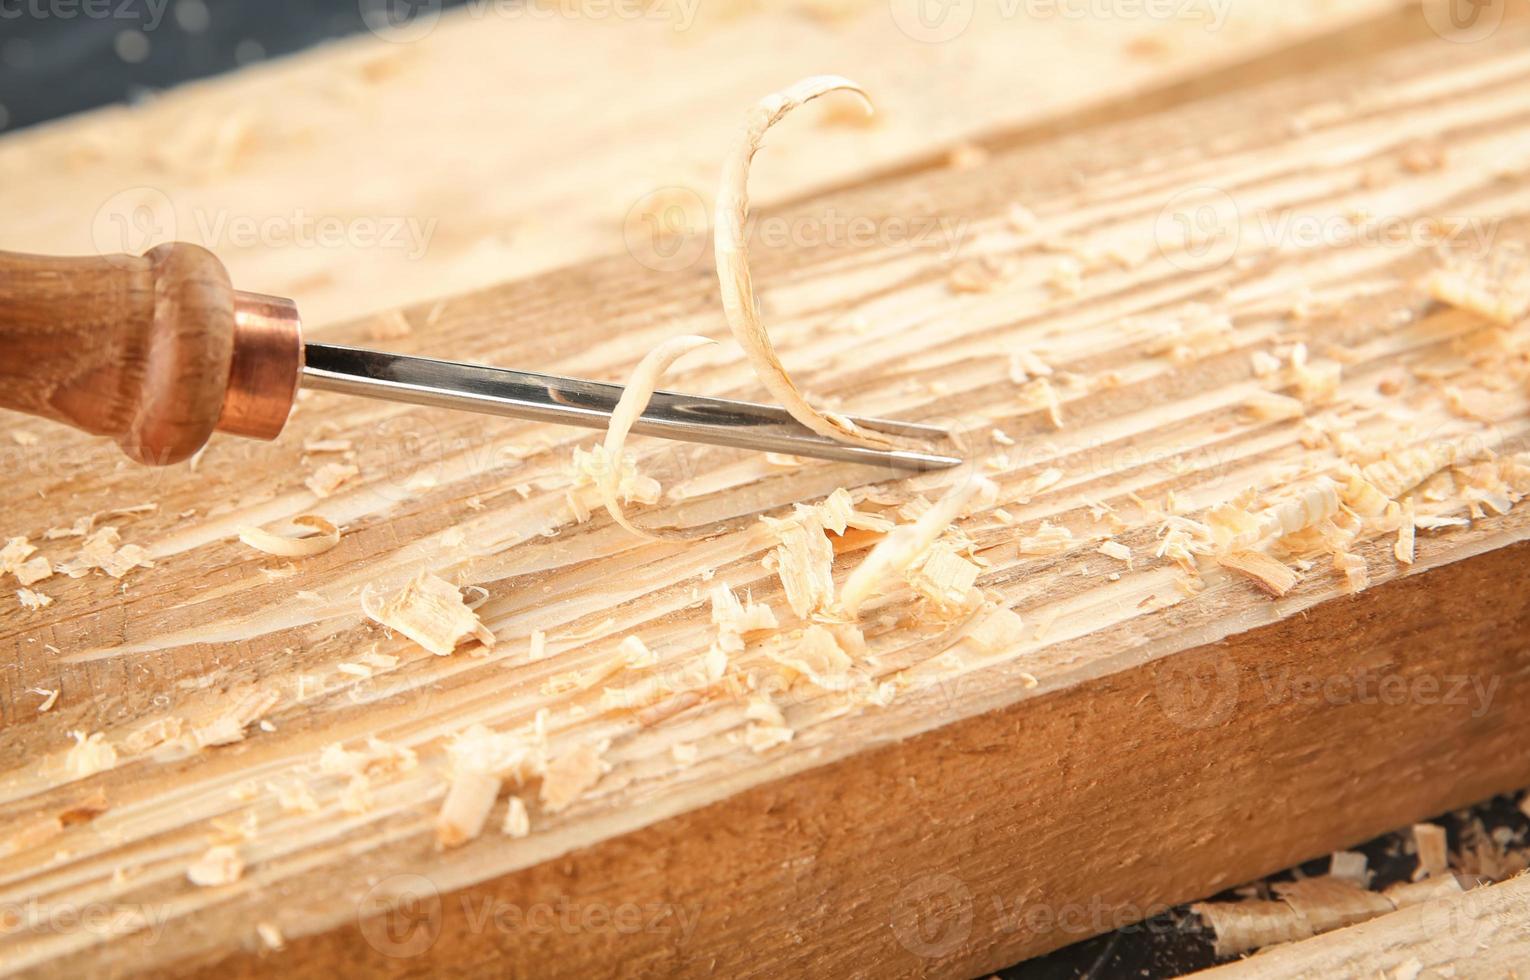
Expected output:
(1175, 740)
(371, 174)
(1483, 933)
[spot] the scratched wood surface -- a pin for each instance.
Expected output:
(838, 835)
(375, 173)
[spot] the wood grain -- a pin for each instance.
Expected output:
(1176, 739)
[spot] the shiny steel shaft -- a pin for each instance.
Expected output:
(572, 401)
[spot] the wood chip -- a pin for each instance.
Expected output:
(329, 477)
(89, 755)
(1433, 850)
(731, 246)
(32, 599)
(220, 865)
(325, 538)
(517, 822)
(431, 612)
(734, 619)
(569, 776)
(466, 808)
(906, 544)
(1271, 575)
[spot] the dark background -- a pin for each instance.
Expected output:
(64, 56)
(53, 63)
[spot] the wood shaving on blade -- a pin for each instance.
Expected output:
(731, 248)
(634, 399)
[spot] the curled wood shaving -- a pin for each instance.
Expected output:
(1329, 903)
(430, 611)
(219, 865)
(327, 537)
(635, 397)
(1271, 575)
(904, 545)
(731, 246)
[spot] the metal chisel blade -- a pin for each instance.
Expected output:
(573, 401)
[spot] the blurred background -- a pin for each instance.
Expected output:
(359, 155)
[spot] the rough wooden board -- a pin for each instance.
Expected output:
(486, 150)
(812, 850)
(1483, 933)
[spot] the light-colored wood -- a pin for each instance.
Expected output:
(1138, 745)
(369, 174)
(136, 348)
(1484, 933)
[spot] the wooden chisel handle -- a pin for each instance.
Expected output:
(156, 351)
